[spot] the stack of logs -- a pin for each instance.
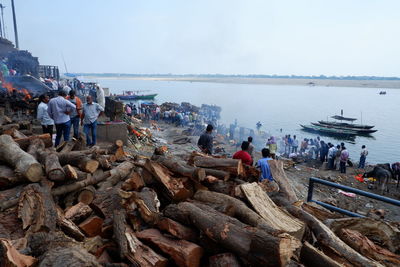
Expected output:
(73, 206)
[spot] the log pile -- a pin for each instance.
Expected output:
(104, 207)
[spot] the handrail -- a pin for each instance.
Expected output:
(347, 189)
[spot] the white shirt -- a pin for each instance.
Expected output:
(43, 116)
(100, 97)
(57, 107)
(91, 112)
(364, 152)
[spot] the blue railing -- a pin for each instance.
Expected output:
(347, 189)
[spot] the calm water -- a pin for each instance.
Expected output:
(288, 106)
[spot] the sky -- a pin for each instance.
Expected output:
(290, 37)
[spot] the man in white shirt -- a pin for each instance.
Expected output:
(91, 112)
(363, 157)
(59, 109)
(42, 115)
(100, 96)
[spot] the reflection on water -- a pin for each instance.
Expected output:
(285, 107)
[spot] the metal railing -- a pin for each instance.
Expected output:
(347, 189)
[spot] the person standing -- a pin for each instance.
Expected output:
(295, 144)
(59, 109)
(75, 114)
(251, 147)
(101, 100)
(264, 166)
(42, 115)
(344, 156)
(244, 154)
(290, 143)
(272, 147)
(205, 142)
(91, 112)
(363, 157)
(331, 157)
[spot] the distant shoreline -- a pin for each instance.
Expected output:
(381, 84)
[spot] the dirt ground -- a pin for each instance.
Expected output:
(298, 175)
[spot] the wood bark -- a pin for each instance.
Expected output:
(6, 127)
(14, 133)
(196, 174)
(8, 177)
(78, 212)
(134, 182)
(35, 146)
(69, 256)
(70, 172)
(320, 212)
(223, 175)
(280, 177)
(130, 247)
(178, 230)
(233, 166)
(313, 257)
(25, 142)
(86, 195)
(10, 257)
(270, 212)
(80, 159)
(68, 227)
(223, 259)
(148, 204)
(24, 163)
(66, 147)
(256, 246)
(53, 168)
(117, 174)
(184, 253)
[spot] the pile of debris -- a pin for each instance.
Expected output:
(103, 207)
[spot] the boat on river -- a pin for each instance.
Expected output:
(133, 95)
(357, 130)
(346, 125)
(341, 118)
(327, 130)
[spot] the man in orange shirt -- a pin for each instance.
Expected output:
(75, 114)
(243, 154)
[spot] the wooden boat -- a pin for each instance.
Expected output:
(358, 130)
(341, 118)
(326, 130)
(382, 92)
(131, 95)
(347, 125)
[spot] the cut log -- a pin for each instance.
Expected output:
(86, 195)
(92, 226)
(70, 172)
(148, 204)
(235, 208)
(68, 227)
(5, 119)
(35, 146)
(70, 256)
(320, 212)
(379, 231)
(53, 168)
(37, 209)
(66, 147)
(178, 230)
(131, 248)
(280, 177)
(326, 236)
(134, 182)
(173, 187)
(10, 257)
(223, 260)
(256, 246)
(14, 133)
(223, 175)
(314, 257)
(8, 177)
(103, 161)
(367, 248)
(24, 163)
(78, 212)
(270, 212)
(196, 174)
(7, 127)
(25, 142)
(117, 174)
(80, 159)
(184, 253)
(233, 166)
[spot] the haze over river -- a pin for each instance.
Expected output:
(284, 106)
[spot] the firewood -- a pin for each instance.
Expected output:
(255, 245)
(35, 146)
(66, 147)
(131, 248)
(86, 195)
(184, 253)
(53, 168)
(134, 182)
(117, 174)
(70, 172)
(37, 209)
(78, 212)
(14, 133)
(148, 204)
(24, 163)
(270, 212)
(92, 226)
(367, 248)
(314, 257)
(178, 230)
(10, 257)
(196, 174)
(8, 177)
(223, 175)
(94, 244)
(320, 212)
(7, 127)
(80, 159)
(4, 119)
(68, 227)
(233, 166)
(25, 142)
(224, 259)
(280, 177)
(11, 225)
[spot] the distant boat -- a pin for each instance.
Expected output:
(327, 130)
(132, 95)
(349, 125)
(357, 130)
(382, 92)
(341, 118)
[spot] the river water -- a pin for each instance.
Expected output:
(285, 107)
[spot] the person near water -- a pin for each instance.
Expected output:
(205, 142)
(42, 115)
(75, 114)
(344, 156)
(244, 154)
(258, 125)
(251, 147)
(91, 112)
(337, 157)
(264, 166)
(59, 109)
(363, 157)
(100, 97)
(295, 144)
(128, 110)
(323, 151)
(272, 146)
(331, 156)
(290, 143)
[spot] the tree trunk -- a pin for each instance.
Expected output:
(86, 195)
(35, 146)
(178, 230)
(117, 174)
(184, 253)
(256, 246)
(24, 163)
(196, 174)
(130, 247)
(224, 259)
(10, 257)
(314, 257)
(280, 177)
(233, 166)
(320, 212)
(52, 165)
(70, 172)
(79, 159)
(25, 142)
(270, 212)
(78, 212)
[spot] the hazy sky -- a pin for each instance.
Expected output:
(302, 37)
